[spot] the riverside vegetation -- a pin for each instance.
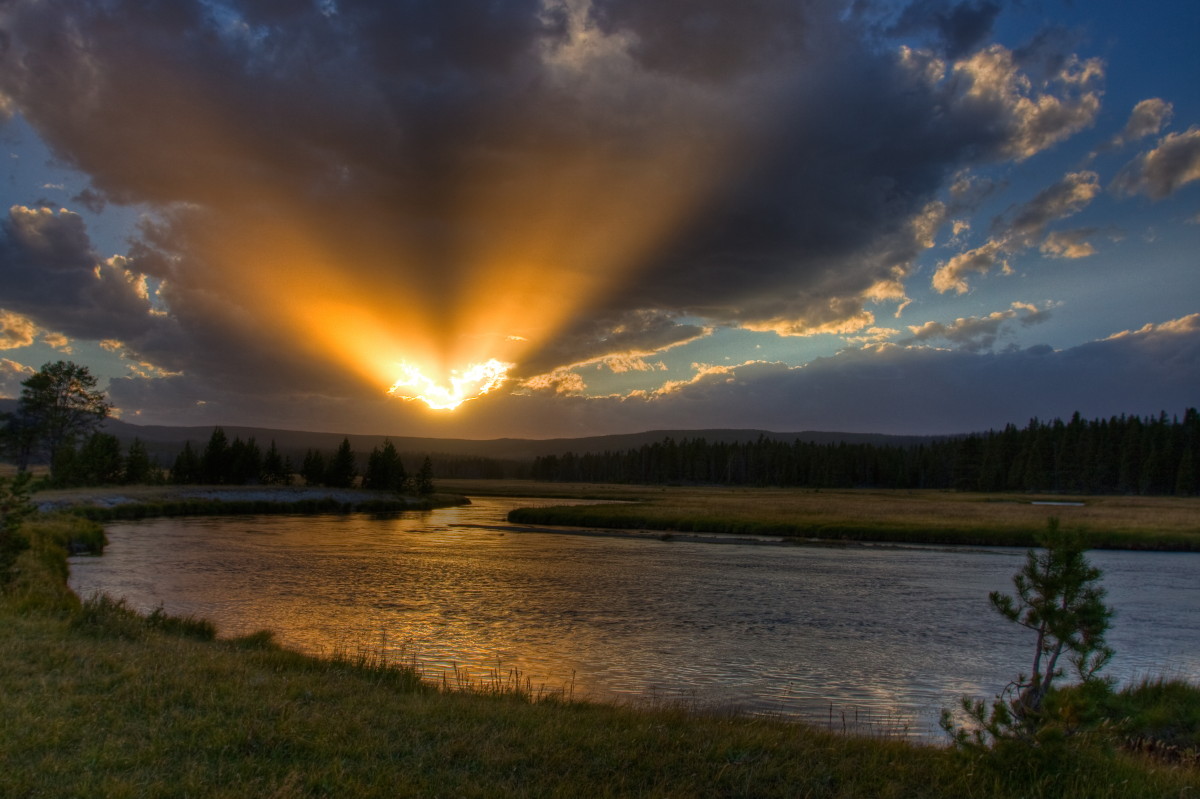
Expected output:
(102, 701)
(927, 517)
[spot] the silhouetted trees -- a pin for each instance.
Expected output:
(424, 479)
(1122, 454)
(385, 472)
(59, 405)
(100, 461)
(341, 471)
(241, 463)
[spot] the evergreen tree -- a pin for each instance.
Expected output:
(1060, 600)
(424, 478)
(274, 469)
(313, 468)
(245, 462)
(99, 461)
(216, 461)
(385, 472)
(341, 470)
(138, 468)
(187, 469)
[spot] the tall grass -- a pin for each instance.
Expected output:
(929, 517)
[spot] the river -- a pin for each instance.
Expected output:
(881, 636)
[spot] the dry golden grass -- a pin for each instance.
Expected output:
(800, 510)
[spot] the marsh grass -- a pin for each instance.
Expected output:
(99, 701)
(929, 517)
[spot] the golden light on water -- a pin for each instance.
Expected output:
(475, 381)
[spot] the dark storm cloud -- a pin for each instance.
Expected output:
(885, 389)
(51, 274)
(959, 27)
(710, 39)
(401, 139)
(904, 390)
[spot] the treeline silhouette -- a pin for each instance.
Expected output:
(239, 462)
(1119, 455)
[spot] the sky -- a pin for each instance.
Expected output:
(583, 217)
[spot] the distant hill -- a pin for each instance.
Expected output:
(165, 442)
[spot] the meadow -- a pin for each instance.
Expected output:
(932, 517)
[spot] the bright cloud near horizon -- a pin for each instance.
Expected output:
(578, 217)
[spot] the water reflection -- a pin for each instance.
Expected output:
(820, 632)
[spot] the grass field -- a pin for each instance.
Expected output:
(99, 701)
(1117, 522)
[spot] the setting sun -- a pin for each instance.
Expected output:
(475, 381)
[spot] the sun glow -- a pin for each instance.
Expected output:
(475, 381)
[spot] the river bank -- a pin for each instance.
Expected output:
(101, 701)
(108, 503)
(1165, 524)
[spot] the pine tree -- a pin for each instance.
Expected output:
(187, 469)
(99, 461)
(313, 468)
(424, 479)
(138, 467)
(274, 471)
(385, 472)
(341, 470)
(215, 462)
(1060, 599)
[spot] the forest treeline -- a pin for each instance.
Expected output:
(100, 460)
(1119, 455)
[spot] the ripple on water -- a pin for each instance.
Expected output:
(891, 633)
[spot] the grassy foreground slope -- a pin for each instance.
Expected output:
(931, 517)
(99, 701)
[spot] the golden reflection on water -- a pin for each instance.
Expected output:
(886, 634)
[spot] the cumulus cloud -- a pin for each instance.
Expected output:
(405, 142)
(883, 388)
(1034, 120)
(1023, 227)
(15, 330)
(901, 389)
(1068, 243)
(1162, 171)
(976, 333)
(58, 341)
(52, 275)
(1147, 119)
(563, 181)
